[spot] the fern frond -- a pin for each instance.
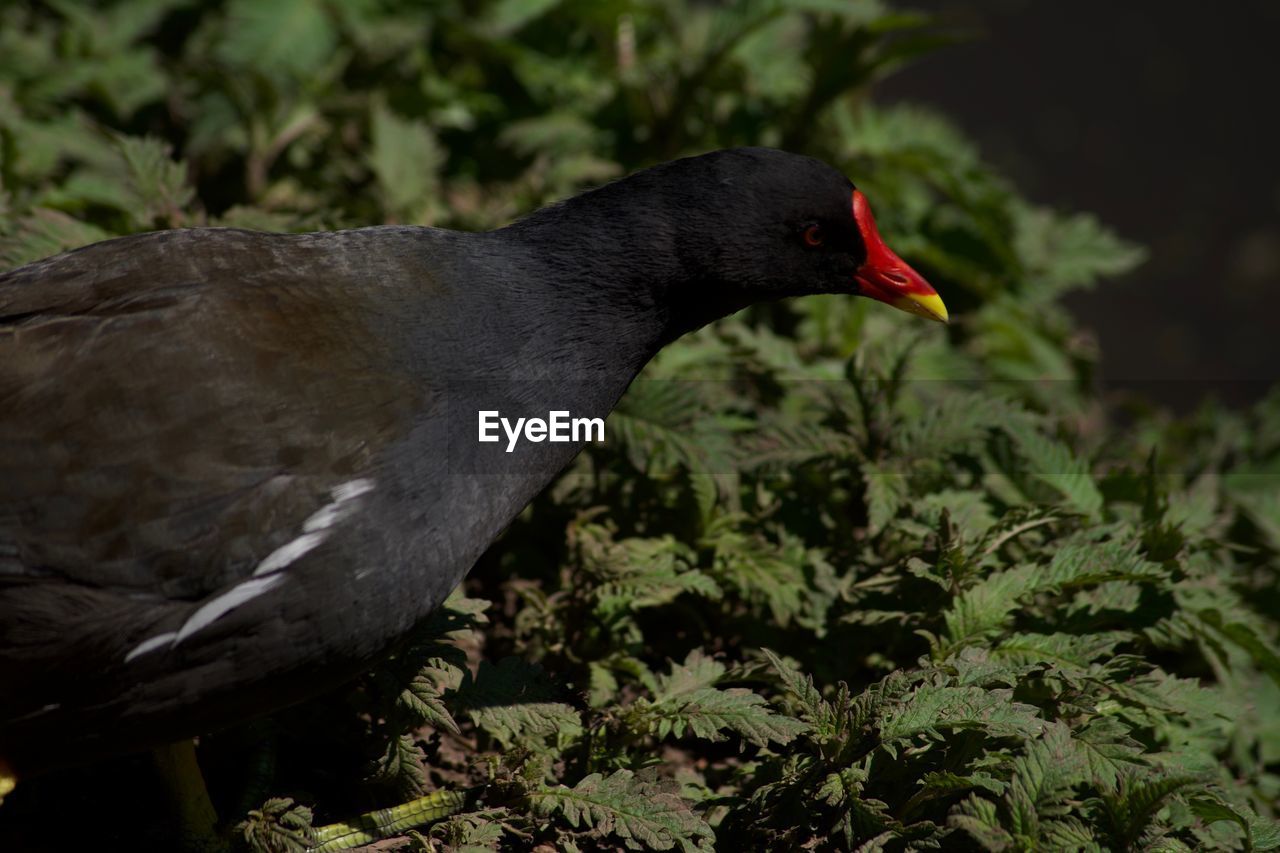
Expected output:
(643, 813)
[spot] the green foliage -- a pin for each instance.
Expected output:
(511, 704)
(279, 826)
(834, 580)
(686, 701)
(643, 812)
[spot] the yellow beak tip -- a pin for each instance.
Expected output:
(925, 305)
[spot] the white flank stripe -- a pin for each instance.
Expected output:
(288, 552)
(265, 577)
(210, 611)
(326, 516)
(342, 506)
(352, 489)
(149, 645)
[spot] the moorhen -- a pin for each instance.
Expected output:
(235, 466)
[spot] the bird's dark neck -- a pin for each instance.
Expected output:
(622, 264)
(557, 312)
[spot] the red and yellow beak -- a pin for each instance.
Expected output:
(887, 277)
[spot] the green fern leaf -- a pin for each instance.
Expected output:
(424, 700)
(954, 424)
(284, 39)
(635, 574)
(686, 701)
(45, 232)
(1073, 653)
(513, 702)
(406, 160)
(1042, 777)
(505, 17)
(1108, 751)
(1128, 810)
(935, 784)
(278, 826)
(1068, 833)
(812, 707)
(930, 710)
(782, 445)
(157, 184)
(980, 818)
(698, 672)
(988, 605)
(1262, 834)
(763, 572)
(1053, 463)
(471, 832)
(400, 765)
(662, 425)
(1064, 253)
(887, 491)
(643, 813)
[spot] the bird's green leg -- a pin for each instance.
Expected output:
(374, 826)
(8, 781)
(176, 764)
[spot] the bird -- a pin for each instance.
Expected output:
(237, 467)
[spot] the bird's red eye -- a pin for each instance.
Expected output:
(813, 236)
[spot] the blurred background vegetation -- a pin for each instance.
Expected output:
(1146, 113)
(836, 580)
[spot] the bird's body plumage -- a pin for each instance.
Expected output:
(235, 467)
(216, 413)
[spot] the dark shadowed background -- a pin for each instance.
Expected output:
(1161, 117)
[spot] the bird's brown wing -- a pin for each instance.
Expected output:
(173, 406)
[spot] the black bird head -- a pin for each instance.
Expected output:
(714, 233)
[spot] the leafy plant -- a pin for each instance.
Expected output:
(833, 580)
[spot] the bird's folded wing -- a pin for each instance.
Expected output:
(174, 407)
